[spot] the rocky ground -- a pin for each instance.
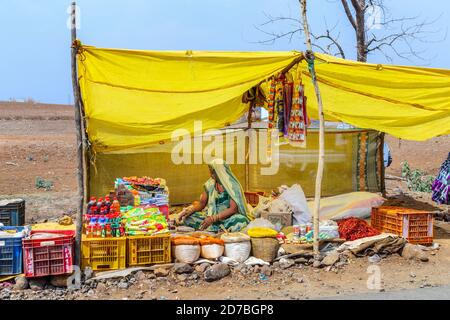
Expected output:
(300, 278)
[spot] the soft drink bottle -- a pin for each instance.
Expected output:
(107, 204)
(103, 232)
(108, 231)
(92, 202)
(116, 205)
(93, 210)
(99, 205)
(98, 231)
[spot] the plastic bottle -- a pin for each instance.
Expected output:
(93, 209)
(92, 202)
(99, 205)
(108, 231)
(98, 231)
(103, 232)
(107, 204)
(90, 231)
(116, 205)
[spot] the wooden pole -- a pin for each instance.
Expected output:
(318, 191)
(383, 170)
(79, 133)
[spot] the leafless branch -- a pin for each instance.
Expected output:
(349, 13)
(406, 34)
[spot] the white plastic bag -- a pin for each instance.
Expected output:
(296, 199)
(252, 261)
(187, 253)
(228, 261)
(238, 251)
(212, 251)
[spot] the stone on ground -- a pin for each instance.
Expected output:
(217, 271)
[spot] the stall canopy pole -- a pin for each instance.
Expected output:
(310, 59)
(79, 132)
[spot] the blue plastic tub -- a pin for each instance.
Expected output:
(11, 253)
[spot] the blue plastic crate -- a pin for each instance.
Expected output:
(12, 213)
(11, 253)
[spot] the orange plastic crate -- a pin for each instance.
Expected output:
(416, 226)
(145, 250)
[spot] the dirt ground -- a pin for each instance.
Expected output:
(39, 141)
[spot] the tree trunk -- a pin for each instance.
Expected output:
(361, 45)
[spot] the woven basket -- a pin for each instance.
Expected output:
(265, 248)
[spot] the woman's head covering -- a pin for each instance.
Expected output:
(231, 184)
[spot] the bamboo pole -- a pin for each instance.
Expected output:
(318, 191)
(79, 134)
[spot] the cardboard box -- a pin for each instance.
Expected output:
(279, 219)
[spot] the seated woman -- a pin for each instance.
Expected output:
(224, 197)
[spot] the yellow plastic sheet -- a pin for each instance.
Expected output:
(138, 98)
(407, 102)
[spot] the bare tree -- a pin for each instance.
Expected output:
(399, 37)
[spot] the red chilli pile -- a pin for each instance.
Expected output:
(354, 228)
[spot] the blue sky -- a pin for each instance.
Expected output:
(35, 42)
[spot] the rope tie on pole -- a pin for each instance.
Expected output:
(79, 49)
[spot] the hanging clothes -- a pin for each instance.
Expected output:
(298, 121)
(271, 103)
(288, 91)
(279, 105)
(441, 185)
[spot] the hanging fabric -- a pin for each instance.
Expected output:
(288, 91)
(298, 121)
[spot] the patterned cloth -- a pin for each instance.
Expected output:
(219, 201)
(298, 121)
(287, 110)
(441, 185)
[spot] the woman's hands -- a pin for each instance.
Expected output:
(186, 212)
(207, 222)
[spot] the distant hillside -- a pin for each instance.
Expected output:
(35, 111)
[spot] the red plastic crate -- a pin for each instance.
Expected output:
(50, 256)
(416, 226)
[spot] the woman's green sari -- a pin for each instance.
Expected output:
(217, 202)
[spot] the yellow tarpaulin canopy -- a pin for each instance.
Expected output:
(137, 98)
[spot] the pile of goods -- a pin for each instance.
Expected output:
(355, 228)
(144, 191)
(237, 246)
(190, 248)
(144, 222)
(265, 244)
(103, 218)
(186, 249)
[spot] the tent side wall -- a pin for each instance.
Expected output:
(352, 163)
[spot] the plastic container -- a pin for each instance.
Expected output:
(12, 212)
(11, 253)
(253, 197)
(145, 250)
(414, 225)
(103, 253)
(49, 256)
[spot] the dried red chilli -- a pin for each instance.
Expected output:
(355, 228)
